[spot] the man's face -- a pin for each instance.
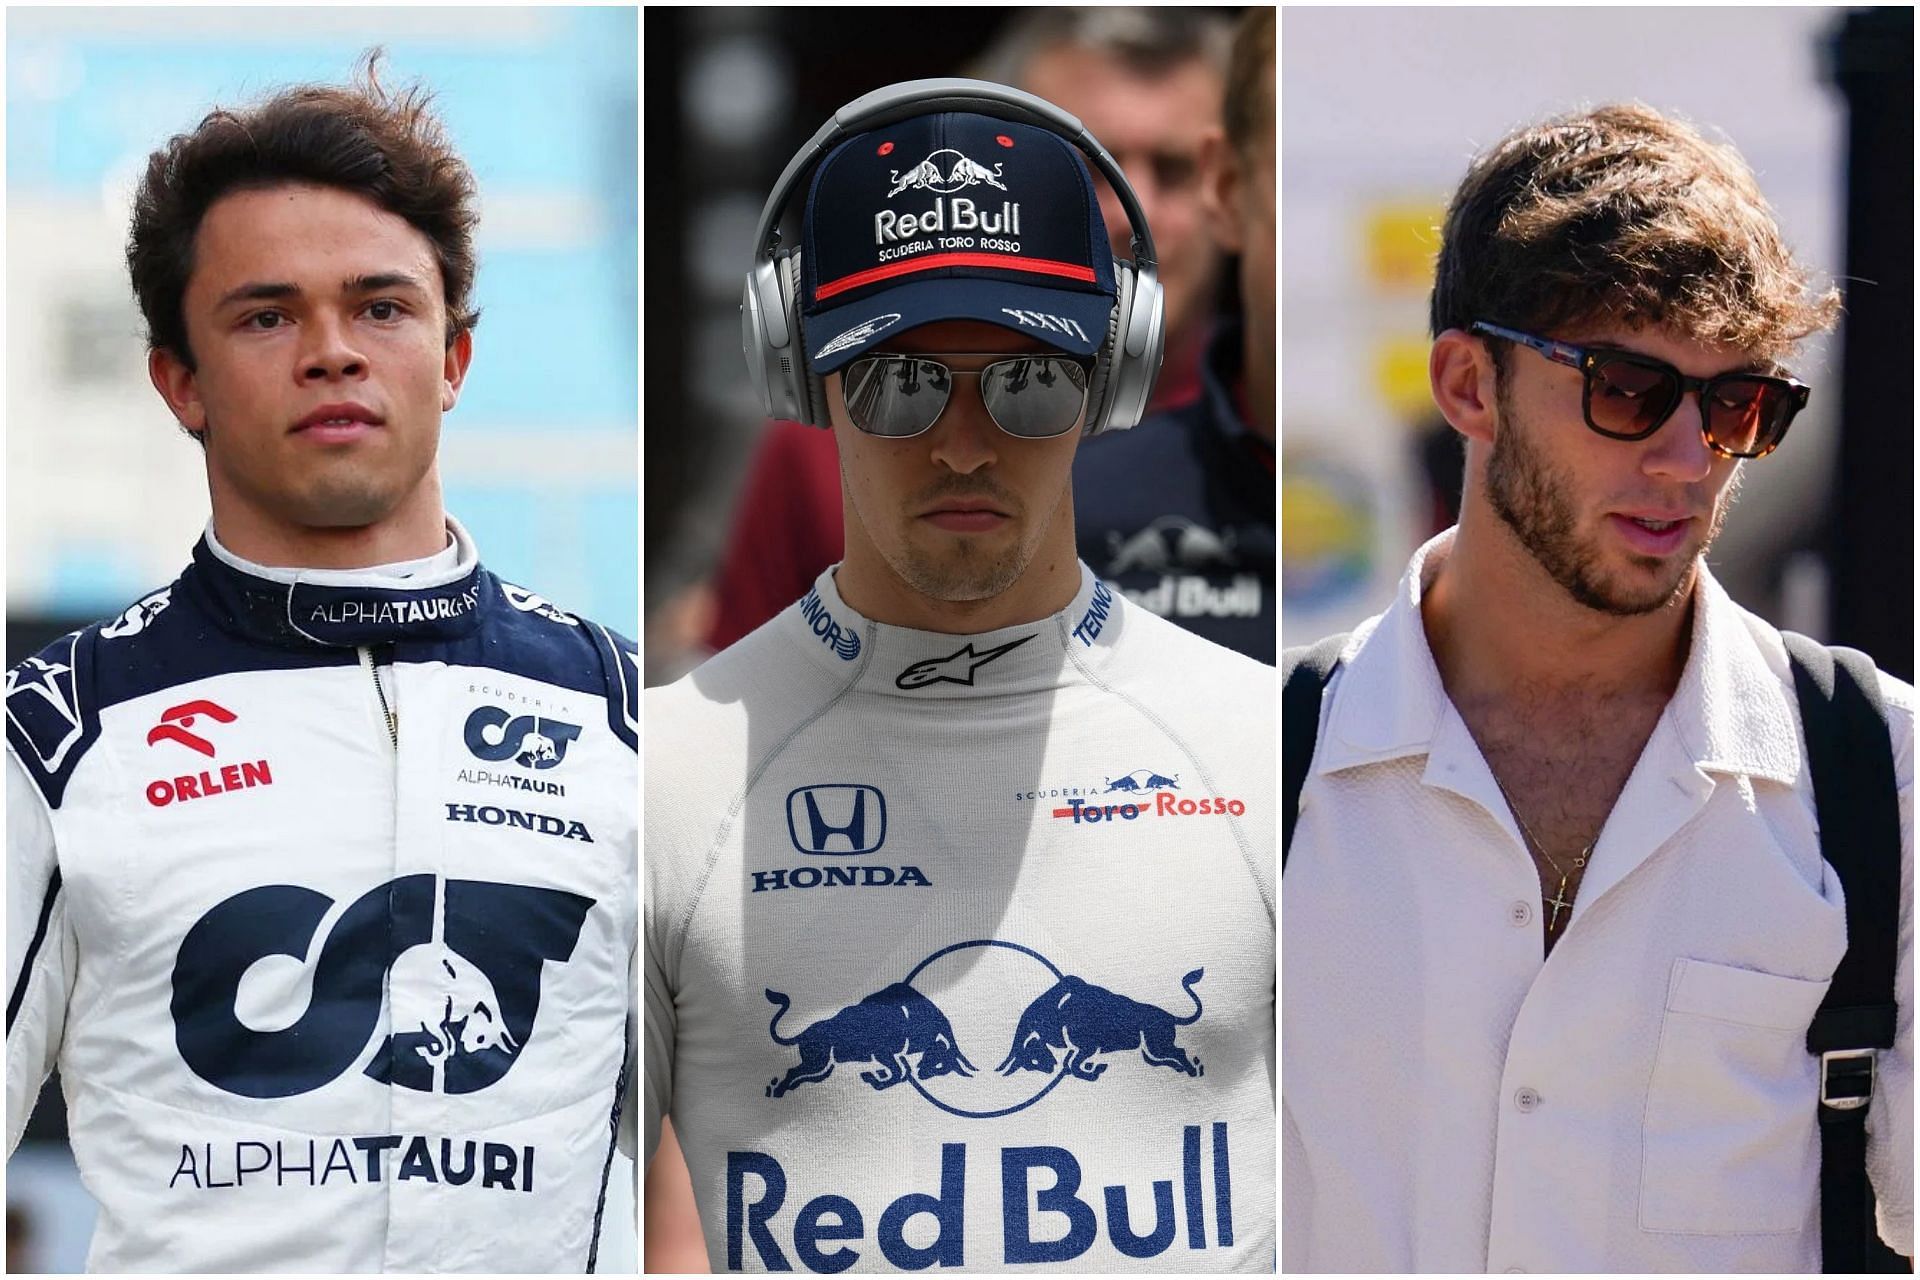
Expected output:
(318, 324)
(959, 512)
(1153, 129)
(1580, 503)
(1238, 191)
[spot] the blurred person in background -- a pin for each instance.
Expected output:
(1179, 512)
(337, 770)
(1147, 83)
(1558, 837)
(984, 703)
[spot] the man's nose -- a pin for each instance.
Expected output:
(330, 351)
(965, 438)
(1679, 448)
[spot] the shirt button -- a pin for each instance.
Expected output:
(1520, 914)
(1526, 1099)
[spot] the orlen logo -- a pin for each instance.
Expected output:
(972, 1001)
(176, 726)
(837, 817)
(532, 742)
(463, 996)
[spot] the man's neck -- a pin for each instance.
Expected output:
(417, 530)
(1501, 629)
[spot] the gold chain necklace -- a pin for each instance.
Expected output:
(1559, 901)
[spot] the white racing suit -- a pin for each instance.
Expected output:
(960, 949)
(320, 895)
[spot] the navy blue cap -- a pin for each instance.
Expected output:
(953, 216)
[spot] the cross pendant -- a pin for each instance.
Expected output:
(1559, 903)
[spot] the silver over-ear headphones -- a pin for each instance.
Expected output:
(1127, 363)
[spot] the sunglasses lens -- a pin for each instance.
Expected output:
(1749, 415)
(895, 396)
(1036, 396)
(1627, 398)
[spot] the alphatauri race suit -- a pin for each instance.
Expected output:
(320, 894)
(960, 949)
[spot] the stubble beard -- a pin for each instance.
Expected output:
(965, 573)
(1530, 495)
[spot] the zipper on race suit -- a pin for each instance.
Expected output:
(371, 663)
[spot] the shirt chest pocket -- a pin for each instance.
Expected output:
(1731, 1141)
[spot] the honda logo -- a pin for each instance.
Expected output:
(837, 817)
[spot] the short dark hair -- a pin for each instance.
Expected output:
(387, 146)
(1248, 104)
(1622, 214)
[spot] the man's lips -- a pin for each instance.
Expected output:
(1652, 532)
(337, 417)
(965, 515)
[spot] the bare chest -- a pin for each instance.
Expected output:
(1564, 765)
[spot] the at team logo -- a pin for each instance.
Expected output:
(985, 1028)
(944, 171)
(461, 970)
(532, 742)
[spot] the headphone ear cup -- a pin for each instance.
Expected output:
(808, 391)
(1101, 380)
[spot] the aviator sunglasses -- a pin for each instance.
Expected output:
(1628, 396)
(1034, 397)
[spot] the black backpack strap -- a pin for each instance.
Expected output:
(1304, 673)
(1850, 757)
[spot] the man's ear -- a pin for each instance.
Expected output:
(1221, 177)
(1460, 371)
(459, 356)
(179, 387)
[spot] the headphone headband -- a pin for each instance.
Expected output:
(951, 93)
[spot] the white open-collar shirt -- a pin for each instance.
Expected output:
(1643, 1100)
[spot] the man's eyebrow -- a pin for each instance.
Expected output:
(257, 291)
(268, 290)
(379, 280)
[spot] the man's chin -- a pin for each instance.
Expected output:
(963, 573)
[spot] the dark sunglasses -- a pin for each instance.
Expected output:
(1628, 396)
(1032, 397)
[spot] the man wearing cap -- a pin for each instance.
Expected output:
(962, 855)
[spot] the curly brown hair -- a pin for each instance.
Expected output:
(1622, 215)
(385, 145)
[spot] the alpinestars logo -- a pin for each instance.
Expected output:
(957, 667)
(464, 997)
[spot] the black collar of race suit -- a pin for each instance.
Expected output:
(338, 608)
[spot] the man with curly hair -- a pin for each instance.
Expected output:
(321, 860)
(1557, 918)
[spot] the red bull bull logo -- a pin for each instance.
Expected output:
(929, 1029)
